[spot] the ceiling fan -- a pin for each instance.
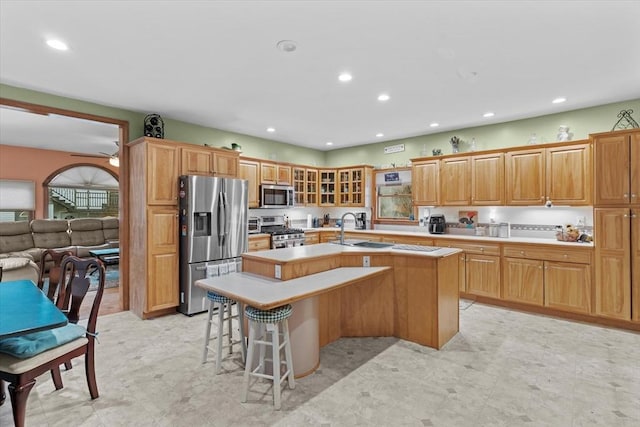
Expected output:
(114, 160)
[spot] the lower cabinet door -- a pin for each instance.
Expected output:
(523, 280)
(483, 275)
(567, 286)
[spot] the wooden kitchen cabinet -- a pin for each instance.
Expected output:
(160, 164)
(273, 173)
(613, 262)
(352, 186)
(299, 185)
(525, 177)
(311, 183)
(480, 265)
(311, 238)
(523, 280)
(153, 220)
(249, 170)
(635, 264)
(556, 277)
(162, 268)
(568, 175)
(259, 242)
(327, 184)
(617, 168)
(487, 180)
(455, 181)
(560, 174)
(425, 183)
(199, 160)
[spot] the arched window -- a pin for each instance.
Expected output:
(81, 191)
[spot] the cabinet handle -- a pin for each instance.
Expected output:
(481, 249)
(634, 195)
(521, 252)
(540, 267)
(625, 195)
(625, 216)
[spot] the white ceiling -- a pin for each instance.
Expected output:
(215, 63)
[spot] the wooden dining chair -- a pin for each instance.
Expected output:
(20, 370)
(54, 258)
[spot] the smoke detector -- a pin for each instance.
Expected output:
(287, 46)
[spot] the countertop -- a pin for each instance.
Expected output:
(323, 249)
(426, 234)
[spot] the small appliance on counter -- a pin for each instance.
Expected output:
(437, 224)
(361, 221)
(505, 230)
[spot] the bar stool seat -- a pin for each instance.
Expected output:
(261, 324)
(225, 314)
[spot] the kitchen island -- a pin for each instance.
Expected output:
(406, 294)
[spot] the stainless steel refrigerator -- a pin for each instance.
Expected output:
(213, 233)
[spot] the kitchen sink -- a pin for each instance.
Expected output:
(377, 245)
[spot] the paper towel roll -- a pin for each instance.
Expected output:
(309, 221)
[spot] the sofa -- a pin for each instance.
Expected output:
(22, 239)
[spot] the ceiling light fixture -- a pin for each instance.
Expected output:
(559, 100)
(271, 130)
(488, 114)
(329, 143)
(379, 135)
(114, 161)
(287, 46)
(345, 77)
(434, 125)
(383, 97)
(57, 44)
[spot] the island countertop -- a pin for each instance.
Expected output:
(326, 249)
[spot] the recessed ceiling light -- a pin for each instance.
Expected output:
(271, 130)
(383, 97)
(329, 143)
(379, 135)
(488, 114)
(287, 46)
(559, 100)
(345, 77)
(57, 44)
(434, 125)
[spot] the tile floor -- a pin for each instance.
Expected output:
(504, 368)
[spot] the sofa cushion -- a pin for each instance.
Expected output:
(110, 228)
(86, 232)
(14, 268)
(15, 236)
(50, 233)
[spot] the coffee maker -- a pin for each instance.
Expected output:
(437, 224)
(361, 221)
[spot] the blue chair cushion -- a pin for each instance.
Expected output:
(218, 298)
(35, 343)
(273, 315)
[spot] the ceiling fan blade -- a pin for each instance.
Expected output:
(91, 155)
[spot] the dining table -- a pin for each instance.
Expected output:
(24, 309)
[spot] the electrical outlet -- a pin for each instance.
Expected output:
(366, 261)
(278, 271)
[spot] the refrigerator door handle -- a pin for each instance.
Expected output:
(220, 219)
(227, 218)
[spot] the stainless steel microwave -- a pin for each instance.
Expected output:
(276, 196)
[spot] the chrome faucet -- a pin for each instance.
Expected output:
(342, 225)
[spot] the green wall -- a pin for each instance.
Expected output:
(581, 123)
(175, 129)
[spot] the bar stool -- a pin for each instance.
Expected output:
(225, 314)
(262, 323)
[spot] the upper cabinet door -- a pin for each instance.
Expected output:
(613, 166)
(195, 161)
(455, 181)
(425, 182)
(268, 173)
(568, 176)
(284, 175)
(162, 173)
(487, 180)
(525, 177)
(249, 170)
(225, 164)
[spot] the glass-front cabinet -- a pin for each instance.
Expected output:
(327, 185)
(299, 186)
(311, 183)
(353, 184)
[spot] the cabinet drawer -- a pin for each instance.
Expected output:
(469, 247)
(581, 256)
(259, 243)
